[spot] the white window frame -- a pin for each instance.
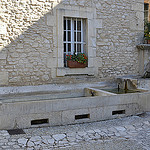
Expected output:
(89, 14)
(73, 32)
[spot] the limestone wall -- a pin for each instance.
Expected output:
(29, 39)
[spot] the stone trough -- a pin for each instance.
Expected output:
(51, 105)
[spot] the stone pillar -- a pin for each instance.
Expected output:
(144, 56)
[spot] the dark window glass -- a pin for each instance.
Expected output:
(79, 36)
(75, 36)
(64, 35)
(78, 47)
(74, 25)
(146, 10)
(69, 24)
(69, 47)
(79, 25)
(74, 47)
(69, 36)
(64, 47)
(64, 24)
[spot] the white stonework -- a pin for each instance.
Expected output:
(31, 39)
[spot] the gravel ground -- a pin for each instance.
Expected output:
(130, 133)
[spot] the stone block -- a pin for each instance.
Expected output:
(51, 62)
(50, 20)
(68, 117)
(3, 78)
(98, 62)
(133, 24)
(7, 122)
(108, 111)
(92, 28)
(54, 118)
(75, 71)
(92, 42)
(145, 101)
(91, 53)
(103, 43)
(3, 29)
(138, 6)
(96, 114)
(61, 72)
(99, 23)
(60, 62)
(53, 72)
(3, 56)
(91, 62)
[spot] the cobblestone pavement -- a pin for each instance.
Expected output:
(130, 133)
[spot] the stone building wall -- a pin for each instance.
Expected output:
(29, 40)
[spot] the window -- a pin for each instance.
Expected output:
(146, 9)
(74, 36)
(89, 24)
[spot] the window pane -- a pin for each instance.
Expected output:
(79, 36)
(64, 47)
(69, 47)
(74, 25)
(64, 35)
(64, 24)
(69, 24)
(74, 47)
(79, 25)
(146, 8)
(69, 36)
(74, 36)
(78, 47)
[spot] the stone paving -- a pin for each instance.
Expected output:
(130, 133)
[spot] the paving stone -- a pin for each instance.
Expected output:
(58, 137)
(22, 141)
(35, 138)
(11, 143)
(146, 122)
(73, 137)
(50, 141)
(97, 130)
(81, 133)
(30, 144)
(120, 128)
(46, 137)
(91, 131)
(130, 127)
(16, 146)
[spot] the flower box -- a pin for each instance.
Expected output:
(75, 64)
(79, 60)
(148, 41)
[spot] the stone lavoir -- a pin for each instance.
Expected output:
(36, 35)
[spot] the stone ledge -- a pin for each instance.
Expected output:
(62, 71)
(143, 46)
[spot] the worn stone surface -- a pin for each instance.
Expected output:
(127, 133)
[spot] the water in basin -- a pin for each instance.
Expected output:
(123, 91)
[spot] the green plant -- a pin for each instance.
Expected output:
(147, 31)
(80, 57)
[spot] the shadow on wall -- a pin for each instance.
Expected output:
(28, 40)
(25, 61)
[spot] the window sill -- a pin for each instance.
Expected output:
(62, 71)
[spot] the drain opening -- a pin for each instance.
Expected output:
(16, 131)
(40, 121)
(84, 116)
(117, 112)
